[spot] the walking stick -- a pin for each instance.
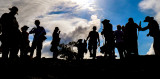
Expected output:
(139, 26)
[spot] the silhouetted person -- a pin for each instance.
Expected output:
(119, 36)
(92, 46)
(55, 42)
(82, 48)
(1, 38)
(85, 46)
(109, 39)
(123, 28)
(25, 42)
(124, 38)
(131, 37)
(153, 27)
(11, 34)
(39, 37)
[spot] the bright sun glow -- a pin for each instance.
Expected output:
(85, 4)
(82, 2)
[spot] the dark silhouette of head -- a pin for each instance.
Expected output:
(24, 28)
(37, 22)
(94, 28)
(80, 41)
(56, 28)
(13, 10)
(130, 20)
(118, 27)
(123, 28)
(148, 19)
(105, 21)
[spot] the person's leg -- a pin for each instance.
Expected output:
(135, 48)
(120, 50)
(90, 50)
(39, 48)
(5, 47)
(22, 51)
(81, 55)
(156, 46)
(120, 53)
(5, 51)
(128, 49)
(94, 51)
(55, 52)
(14, 52)
(110, 49)
(32, 49)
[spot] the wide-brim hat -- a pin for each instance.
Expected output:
(148, 18)
(24, 27)
(14, 8)
(105, 20)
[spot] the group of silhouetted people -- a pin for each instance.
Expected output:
(124, 38)
(14, 40)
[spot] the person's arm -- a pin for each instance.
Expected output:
(144, 28)
(32, 31)
(43, 31)
(98, 40)
(88, 36)
(0, 28)
(59, 32)
(2, 20)
(114, 35)
(102, 33)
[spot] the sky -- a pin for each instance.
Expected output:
(75, 18)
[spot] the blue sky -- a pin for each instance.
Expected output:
(75, 18)
(118, 12)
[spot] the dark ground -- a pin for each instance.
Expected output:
(133, 68)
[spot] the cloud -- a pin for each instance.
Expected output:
(81, 30)
(151, 6)
(148, 4)
(65, 14)
(30, 10)
(46, 50)
(151, 51)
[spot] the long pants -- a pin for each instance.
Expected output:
(10, 46)
(92, 49)
(38, 46)
(156, 46)
(120, 47)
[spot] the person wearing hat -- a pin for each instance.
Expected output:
(80, 47)
(107, 32)
(153, 27)
(25, 42)
(10, 33)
